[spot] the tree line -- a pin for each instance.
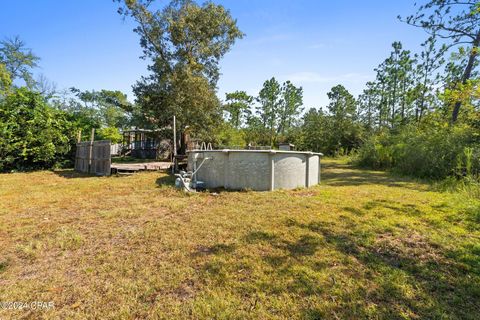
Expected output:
(419, 115)
(39, 124)
(183, 41)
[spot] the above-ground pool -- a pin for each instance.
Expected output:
(255, 169)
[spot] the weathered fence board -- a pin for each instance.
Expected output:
(93, 157)
(101, 159)
(82, 157)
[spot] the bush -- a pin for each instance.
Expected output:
(228, 136)
(429, 151)
(110, 133)
(32, 134)
(333, 136)
(375, 152)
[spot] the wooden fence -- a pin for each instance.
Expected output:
(93, 157)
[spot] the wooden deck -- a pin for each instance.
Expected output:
(126, 168)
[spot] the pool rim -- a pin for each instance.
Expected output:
(273, 151)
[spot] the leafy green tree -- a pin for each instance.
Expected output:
(426, 76)
(345, 130)
(18, 60)
(457, 22)
(105, 110)
(366, 105)
(334, 131)
(137, 118)
(395, 79)
(110, 107)
(256, 134)
(276, 113)
(5, 80)
(270, 101)
(316, 132)
(406, 82)
(238, 106)
(184, 33)
(32, 134)
(392, 67)
(110, 133)
(82, 117)
(185, 42)
(230, 137)
(45, 87)
(189, 97)
(291, 104)
(342, 103)
(113, 107)
(403, 89)
(382, 91)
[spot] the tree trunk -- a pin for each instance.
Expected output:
(424, 93)
(369, 112)
(403, 100)
(467, 74)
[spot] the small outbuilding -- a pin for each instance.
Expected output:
(144, 144)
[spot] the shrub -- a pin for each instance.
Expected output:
(429, 151)
(376, 152)
(229, 136)
(32, 134)
(110, 133)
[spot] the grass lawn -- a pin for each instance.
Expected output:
(362, 244)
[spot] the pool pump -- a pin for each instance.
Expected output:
(187, 180)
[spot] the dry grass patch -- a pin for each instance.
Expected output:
(363, 244)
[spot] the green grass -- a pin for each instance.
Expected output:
(362, 244)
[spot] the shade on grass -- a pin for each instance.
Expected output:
(362, 244)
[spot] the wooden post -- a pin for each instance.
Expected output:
(79, 136)
(174, 137)
(90, 150)
(174, 145)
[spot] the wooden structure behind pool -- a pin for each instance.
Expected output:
(260, 170)
(140, 143)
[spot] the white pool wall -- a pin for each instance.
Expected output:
(260, 170)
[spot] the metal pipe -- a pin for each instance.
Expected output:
(193, 174)
(174, 137)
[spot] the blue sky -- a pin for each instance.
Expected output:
(314, 43)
